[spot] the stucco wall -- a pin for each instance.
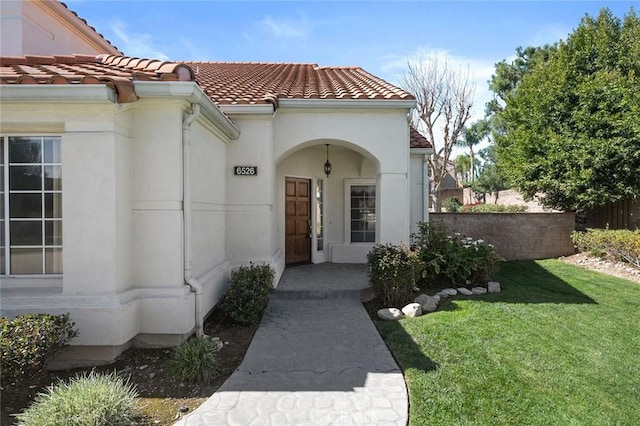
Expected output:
(38, 27)
(517, 236)
(379, 135)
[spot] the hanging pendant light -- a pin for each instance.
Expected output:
(327, 165)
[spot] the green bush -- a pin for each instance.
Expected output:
(195, 360)
(621, 244)
(87, 399)
(28, 342)
(453, 205)
(391, 273)
(445, 259)
(248, 294)
(493, 208)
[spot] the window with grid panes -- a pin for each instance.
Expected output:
(363, 213)
(31, 212)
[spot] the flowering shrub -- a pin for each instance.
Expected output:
(452, 259)
(391, 273)
(621, 244)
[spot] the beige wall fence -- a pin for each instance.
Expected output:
(517, 236)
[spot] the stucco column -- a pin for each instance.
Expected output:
(392, 207)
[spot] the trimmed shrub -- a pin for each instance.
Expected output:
(28, 342)
(453, 205)
(391, 273)
(248, 294)
(195, 360)
(87, 399)
(493, 208)
(451, 259)
(620, 244)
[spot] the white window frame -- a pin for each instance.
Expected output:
(7, 219)
(348, 183)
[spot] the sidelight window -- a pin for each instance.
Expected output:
(363, 213)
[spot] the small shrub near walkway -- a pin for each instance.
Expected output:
(391, 273)
(248, 294)
(28, 342)
(558, 345)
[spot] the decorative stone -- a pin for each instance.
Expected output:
(464, 291)
(436, 298)
(217, 343)
(427, 303)
(412, 310)
(442, 295)
(494, 287)
(390, 314)
(449, 291)
(479, 290)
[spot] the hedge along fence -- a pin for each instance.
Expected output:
(517, 236)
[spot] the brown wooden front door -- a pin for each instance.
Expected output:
(297, 220)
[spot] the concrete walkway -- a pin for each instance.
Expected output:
(316, 359)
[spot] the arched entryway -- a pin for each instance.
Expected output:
(326, 218)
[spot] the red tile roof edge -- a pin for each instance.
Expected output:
(417, 139)
(111, 70)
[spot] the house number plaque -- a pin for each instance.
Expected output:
(245, 170)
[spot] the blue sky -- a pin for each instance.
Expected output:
(379, 36)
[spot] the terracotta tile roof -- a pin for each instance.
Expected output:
(261, 83)
(224, 82)
(417, 140)
(118, 72)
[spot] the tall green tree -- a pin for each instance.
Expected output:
(462, 167)
(490, 180)
(472, 136)
(572, 122)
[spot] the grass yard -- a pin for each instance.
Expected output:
(559, 345)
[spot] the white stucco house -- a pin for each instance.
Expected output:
(130, 188)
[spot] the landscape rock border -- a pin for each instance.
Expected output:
(424, 304)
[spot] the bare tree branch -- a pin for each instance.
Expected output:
(444, 99)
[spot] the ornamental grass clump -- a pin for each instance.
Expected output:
(248, 294)
(87, 399)
(195, 360)
(391, 273)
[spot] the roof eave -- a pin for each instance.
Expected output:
(239, 109)
(57, 93)
(348, 103)
(422, 151)
(190, 91)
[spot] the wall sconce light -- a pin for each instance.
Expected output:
(327, 165)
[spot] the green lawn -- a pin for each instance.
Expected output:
(559, 345)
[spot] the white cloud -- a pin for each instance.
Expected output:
(548, 35)
(285, 28)
(136, 44)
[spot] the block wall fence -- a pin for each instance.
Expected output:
(517, 236)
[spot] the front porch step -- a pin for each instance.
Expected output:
(363, 295)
